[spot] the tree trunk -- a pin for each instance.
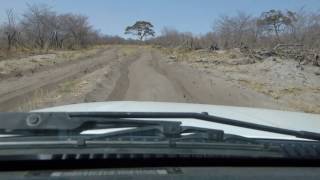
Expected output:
(9, 42)
(141, 38)
(277, 32)
(11, 38)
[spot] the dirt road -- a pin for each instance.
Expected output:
(141, 76)
(150, 78)
(143, 82)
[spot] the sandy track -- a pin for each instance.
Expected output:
(144, 75)
(142, 81)
(122, 84)
(13, 91)
(150, 78)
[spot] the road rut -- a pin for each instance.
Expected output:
(15, 91)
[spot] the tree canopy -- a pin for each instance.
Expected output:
(141, 29)
(276, 20)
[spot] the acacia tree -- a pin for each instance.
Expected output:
(276, 20)
(141, 29)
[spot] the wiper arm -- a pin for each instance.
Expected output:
(76, 122)
(202, 116)
(65, 124)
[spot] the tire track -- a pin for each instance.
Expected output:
(141, 80)
(122, 85)
(179, 87)
(17, 92)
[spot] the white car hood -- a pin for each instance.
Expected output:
(282, 119)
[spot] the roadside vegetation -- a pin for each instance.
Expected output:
(40, 29)
(265, 31)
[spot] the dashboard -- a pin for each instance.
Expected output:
(181, 173)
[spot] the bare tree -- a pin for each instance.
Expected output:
(11, 29)
(235, 30)
(106, 39)
(42, 28)
(257, 32)
(37, 25)
(76, 30)
(307, 29)
(172, 38)
(169, 37)
(209, 40)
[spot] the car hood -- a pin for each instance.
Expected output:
(275, 118)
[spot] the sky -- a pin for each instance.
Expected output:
(196, 16)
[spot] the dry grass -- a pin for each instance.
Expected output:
(204, 56)
(305, 107)
(259, 87)
(128, 50)
(71, 87)
(42, 98)
(267, 89)
(51, 58)
(76, 54)
(68, 86)
(37, 100)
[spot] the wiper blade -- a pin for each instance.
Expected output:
(159, 133)
(79, 121)
(202, 116)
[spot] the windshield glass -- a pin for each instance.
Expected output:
(249, 61)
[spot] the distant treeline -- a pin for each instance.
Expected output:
(40, 27)
(265, 31)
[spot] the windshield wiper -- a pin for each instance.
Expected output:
(75, 122)
(201, 116)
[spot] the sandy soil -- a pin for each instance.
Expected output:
(278, 83)
(147, 74)
(15, 90)
(27, 66)
(144, 82)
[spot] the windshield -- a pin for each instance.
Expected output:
(243, 70)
